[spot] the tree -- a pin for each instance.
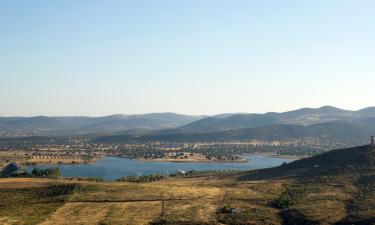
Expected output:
(53, 172)
(36, 172)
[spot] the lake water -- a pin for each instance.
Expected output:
(112, 168)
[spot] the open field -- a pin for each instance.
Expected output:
(44, 157)
(190, 200)
(200, 200)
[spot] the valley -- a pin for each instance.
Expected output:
(273, 168)
(302, 132)
(165, 112)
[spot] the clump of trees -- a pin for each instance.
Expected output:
(289, 197)
(143, 179)
(52, 172)
(92, 179)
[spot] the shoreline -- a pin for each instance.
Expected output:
(191, 161)
(80, 162)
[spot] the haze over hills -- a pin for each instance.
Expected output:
(223, 126)
(43, 125)
(322, 136)
(323, 128)
(304, 116)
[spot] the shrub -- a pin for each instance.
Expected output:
(52, 172)
(288, 198)
(142, 179)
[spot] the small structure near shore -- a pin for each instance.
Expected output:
(13, 169)
(372, 138)
(180, 172)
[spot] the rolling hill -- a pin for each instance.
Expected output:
(329, 133)
(233, 122)
(36, 123)
(326, 124)
(335, 187)
(328, 163)
(304, 116)
(43, 125)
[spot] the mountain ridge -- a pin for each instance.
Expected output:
(179, 123)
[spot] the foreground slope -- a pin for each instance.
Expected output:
(332, 188)
(174, 201)
(335, 162)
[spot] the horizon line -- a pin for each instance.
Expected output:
(197, 115)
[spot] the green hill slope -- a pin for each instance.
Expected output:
(335, 162)
(329, 133)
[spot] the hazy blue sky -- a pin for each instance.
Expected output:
(77, 57)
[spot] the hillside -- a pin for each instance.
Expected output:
(304, 116)
(324, 133)
(172, 124)
(31, 123)
(152, 121)
(337, 187)
(334, 162)
(233, 122)
(43, 125)
(178, 123)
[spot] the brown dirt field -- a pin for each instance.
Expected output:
(78, 213)
(105, 213)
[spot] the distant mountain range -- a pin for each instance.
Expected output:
(321, 128)
(305, 116)
(43, 125)
(325, 124)
(321, 135)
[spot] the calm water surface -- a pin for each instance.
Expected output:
(111, 168)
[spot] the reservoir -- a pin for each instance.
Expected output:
(112, 168)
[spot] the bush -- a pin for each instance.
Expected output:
(142, 179)
(226, 209)
(288, 198)
(52, 172)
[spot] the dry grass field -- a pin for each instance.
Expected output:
(199, 200)
(176, 200)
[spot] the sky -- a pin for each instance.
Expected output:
(91, 57)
